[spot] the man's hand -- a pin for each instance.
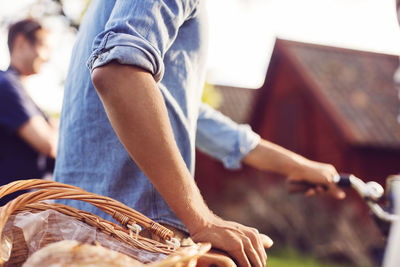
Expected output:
(271, 157)
(245, 244)
(318, 174)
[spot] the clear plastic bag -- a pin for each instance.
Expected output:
(40, 229)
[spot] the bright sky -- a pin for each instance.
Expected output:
(242, 34)
(242, 37)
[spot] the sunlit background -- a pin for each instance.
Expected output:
(242, 35)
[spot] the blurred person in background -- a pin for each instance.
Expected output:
(132, 117)
(28, 138)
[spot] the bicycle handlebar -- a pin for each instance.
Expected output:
(371, 192)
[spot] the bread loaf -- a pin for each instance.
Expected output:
(72, 253)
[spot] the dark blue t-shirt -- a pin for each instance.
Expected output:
(18, 160)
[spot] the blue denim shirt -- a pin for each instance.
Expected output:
(168, 38)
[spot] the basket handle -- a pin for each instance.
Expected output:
(55, 190)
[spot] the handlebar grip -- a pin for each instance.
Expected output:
(343, 180)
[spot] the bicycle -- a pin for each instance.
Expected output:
(387, 217)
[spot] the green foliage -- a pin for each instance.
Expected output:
(291, 258)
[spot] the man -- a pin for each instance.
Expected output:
(131, 133)
(28, 139)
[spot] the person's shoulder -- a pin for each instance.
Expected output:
(3, 75)
(8, 87)
(5, 79)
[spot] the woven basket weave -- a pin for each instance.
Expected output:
(47, 190)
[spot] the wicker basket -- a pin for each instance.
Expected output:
(124, 215)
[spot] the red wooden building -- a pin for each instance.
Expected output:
(329, 104)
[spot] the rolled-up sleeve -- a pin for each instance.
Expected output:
(139, 32)
(223, 139)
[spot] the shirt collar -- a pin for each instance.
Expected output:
(13, 71)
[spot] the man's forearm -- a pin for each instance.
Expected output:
(40, 135)
(138, 114)
(267, 156)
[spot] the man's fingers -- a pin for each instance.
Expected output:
(216, 258)
(251, 253)
(320, 189)
(336, 192)
(310, 192)
(244, 244)
(256, 241)
(266, 241)
(332, 190)
(240, 256)
(258, 244)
